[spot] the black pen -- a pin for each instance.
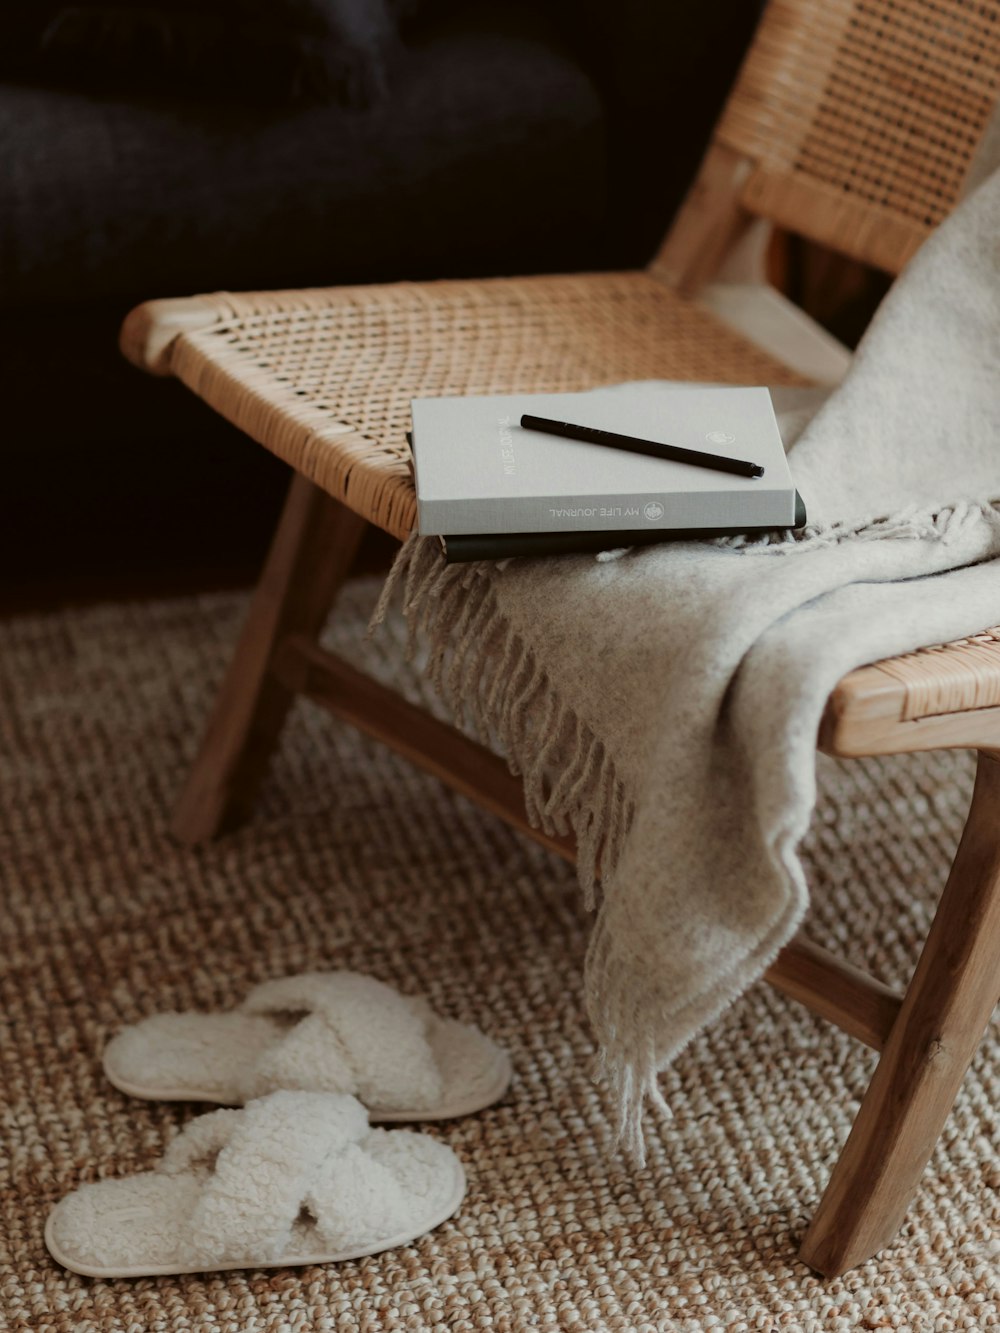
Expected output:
(633, 445)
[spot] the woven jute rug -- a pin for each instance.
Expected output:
(356, 860)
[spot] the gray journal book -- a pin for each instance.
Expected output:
(477, 471)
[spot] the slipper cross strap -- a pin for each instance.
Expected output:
(293, 1178)
(317, 1032)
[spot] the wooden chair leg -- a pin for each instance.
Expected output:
(947, 1007)
(310, 557)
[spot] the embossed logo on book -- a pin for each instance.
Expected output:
(652, 511)
(720, 437)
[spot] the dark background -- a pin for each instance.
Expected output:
(480, 138)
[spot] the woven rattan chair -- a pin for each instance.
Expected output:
(852, 123)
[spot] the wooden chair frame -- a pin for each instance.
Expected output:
(926, 1036)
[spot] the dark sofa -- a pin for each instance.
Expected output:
(511, 138)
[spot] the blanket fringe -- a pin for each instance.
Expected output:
(630, 1055)
(911, 524)
(489, 678)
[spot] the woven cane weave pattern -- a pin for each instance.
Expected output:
(869, 108)
(949, 677)
(325, 378)
(357, 860)
(898, 123)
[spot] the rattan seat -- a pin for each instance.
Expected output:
(852, 123)
(324, 378)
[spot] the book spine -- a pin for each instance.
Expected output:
(502, 546)
(722, 510)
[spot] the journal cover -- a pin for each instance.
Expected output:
(478, 472)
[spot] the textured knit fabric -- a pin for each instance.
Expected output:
(665, 704)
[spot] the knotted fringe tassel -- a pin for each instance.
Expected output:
(625, 1022)
(909, 524)
(491, 681)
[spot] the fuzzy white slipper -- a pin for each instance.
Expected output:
(293, 1178)
(317, 1032)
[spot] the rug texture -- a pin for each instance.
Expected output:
(356, 860)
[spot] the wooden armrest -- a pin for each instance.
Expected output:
(942, 697)
(149, 330)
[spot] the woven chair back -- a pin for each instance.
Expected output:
(860, 118)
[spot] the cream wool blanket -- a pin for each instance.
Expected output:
(664, 704)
